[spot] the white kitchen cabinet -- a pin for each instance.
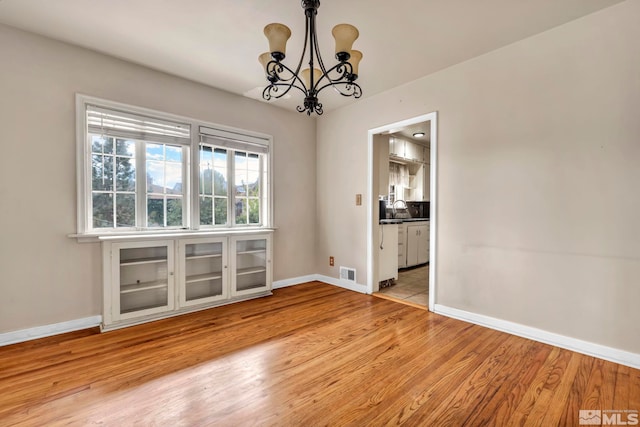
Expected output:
(203, 271)
(147, 278)
(414, 152)
(417, 243)
(139, 279)
(396, 147)
(250, 265)
(407, 150)
(388, 252)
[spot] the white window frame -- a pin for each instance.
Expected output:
(191, 215)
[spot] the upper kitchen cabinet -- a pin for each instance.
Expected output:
(407, 150)
(414, 152)
(396, 147)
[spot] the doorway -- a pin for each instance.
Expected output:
(398, 171)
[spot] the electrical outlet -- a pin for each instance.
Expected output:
(358, 199)
(331, 261)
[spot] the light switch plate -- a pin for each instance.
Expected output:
(358, 199)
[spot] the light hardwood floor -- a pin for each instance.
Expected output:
(310, 355)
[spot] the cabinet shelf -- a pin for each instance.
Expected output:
(252, 251)
(141, 308)
(202, 277)
(252, 286)
(251, 270)
(144, 286)
(139, 261)
(189, 257)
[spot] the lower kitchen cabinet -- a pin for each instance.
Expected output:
(146, 279)
(417, 244)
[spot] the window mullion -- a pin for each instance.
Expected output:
(188, 206)
(141, 185)
(114, 190)
(261, 203)
(231, 183)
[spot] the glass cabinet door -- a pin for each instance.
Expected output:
(144, 278)
(252, 266)
(203, 267)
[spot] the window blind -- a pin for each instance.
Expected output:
(134, 126)
(234, 141)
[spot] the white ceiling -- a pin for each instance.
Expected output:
(217, 42)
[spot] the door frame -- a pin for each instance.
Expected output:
(372, 261)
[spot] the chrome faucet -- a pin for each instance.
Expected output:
(393, 207)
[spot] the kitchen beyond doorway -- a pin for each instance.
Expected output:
(411, 287)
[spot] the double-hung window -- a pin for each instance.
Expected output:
(233, 179)
(139, 166)
(143, 170)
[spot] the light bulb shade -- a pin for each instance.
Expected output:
(277, 34)
(264, 59)
(356, 56)
(345, 35)
(306, 74)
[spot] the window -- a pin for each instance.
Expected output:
(135, 172)
(232, 179)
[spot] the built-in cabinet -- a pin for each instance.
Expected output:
(203, 270)
(144, 274)
(250, 264)
(154, 278)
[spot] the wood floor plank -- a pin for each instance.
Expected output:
(500, 408)
(311, 354)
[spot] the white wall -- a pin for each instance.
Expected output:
(538, 178)
(47, 277)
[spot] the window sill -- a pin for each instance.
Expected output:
(163, 234)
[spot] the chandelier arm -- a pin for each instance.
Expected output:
(343, 69)
(267, 92)
(276, 71)
(350, 88)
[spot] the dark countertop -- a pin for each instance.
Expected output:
(401, 220)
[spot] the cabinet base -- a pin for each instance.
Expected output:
(145, 319)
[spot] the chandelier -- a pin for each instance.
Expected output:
(341, 77)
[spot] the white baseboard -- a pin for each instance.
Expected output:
(590, 349)
(321, 278)
(352, 286)
(294, 281)
(49, 330)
